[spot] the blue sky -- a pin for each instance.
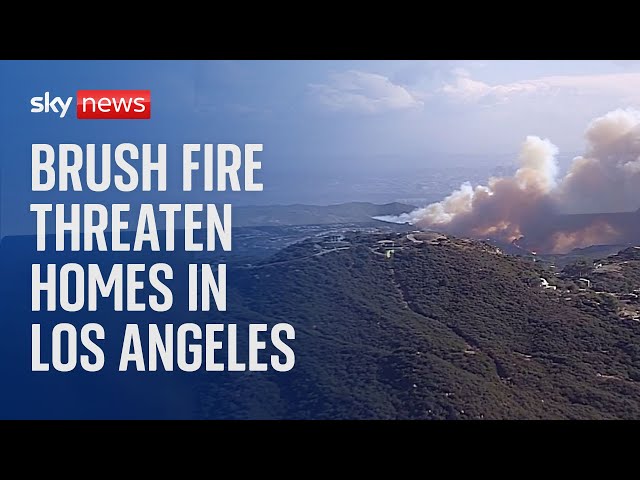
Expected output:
(414, 108)
(320, 117)
(335, 108)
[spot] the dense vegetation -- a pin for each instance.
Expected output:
(618, 273)
(447, 329)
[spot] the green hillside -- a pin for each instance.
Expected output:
(444, 328)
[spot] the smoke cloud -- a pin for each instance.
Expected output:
(545, 213)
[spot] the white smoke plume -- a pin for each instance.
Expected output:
(532, 206)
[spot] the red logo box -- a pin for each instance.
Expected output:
(113, 104)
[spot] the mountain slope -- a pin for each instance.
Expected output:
(444, 328)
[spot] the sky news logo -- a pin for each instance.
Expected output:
(98, 104)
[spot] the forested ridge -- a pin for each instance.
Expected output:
(438, 329)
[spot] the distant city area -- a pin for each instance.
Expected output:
(417, 187)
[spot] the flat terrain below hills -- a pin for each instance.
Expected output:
(298, 214)
(426, 326)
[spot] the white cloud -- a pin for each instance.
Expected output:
(362, 92)
(623, 86)
(461, 72)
